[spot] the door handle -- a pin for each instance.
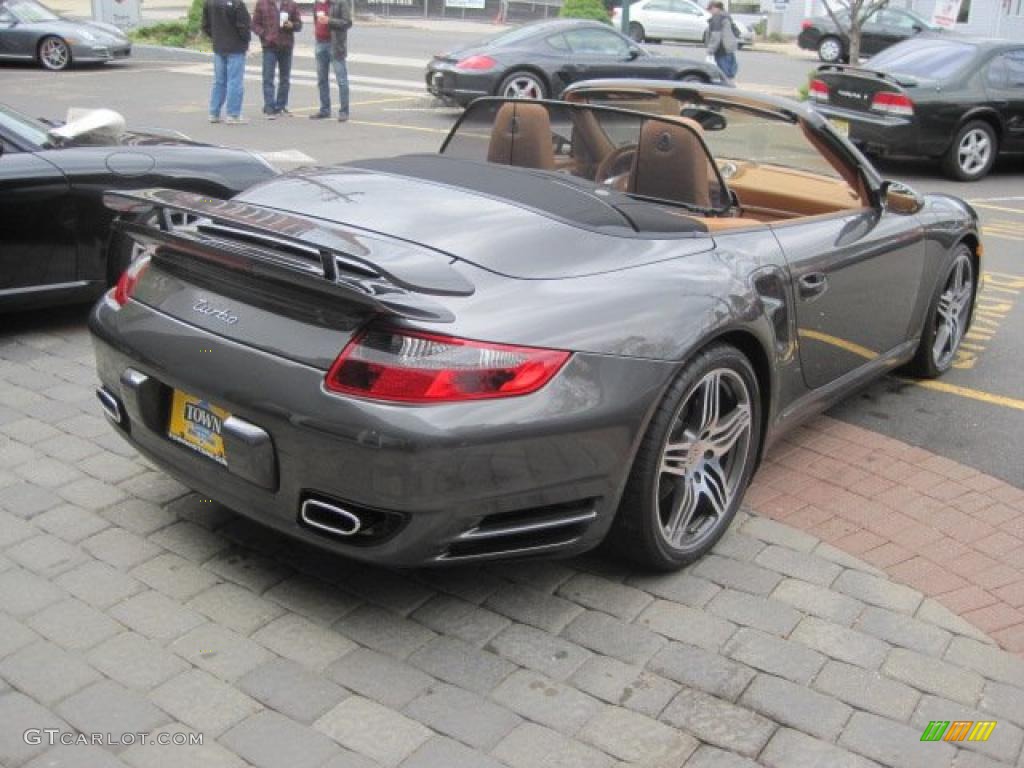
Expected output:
(813, 285)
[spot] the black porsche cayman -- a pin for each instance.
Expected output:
(580, 321)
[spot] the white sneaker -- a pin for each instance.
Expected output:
(239, 120)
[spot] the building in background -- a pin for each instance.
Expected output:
(990, 18)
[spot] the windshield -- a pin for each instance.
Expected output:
(926, 59)
(27, 11)
(26, 129)
(733, 132)
(647, 157)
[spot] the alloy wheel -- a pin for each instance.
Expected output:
(974, 152)
(953, 311)
(54, 53)
(523, 86)
(704, 459)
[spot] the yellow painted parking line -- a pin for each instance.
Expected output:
(968, 392)
(374, 124)
(990, 207)
(835, 341)
(388, 100)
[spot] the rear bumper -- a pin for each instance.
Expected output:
(444, 472)
(808, 39)
(880, 135)
(449, 84)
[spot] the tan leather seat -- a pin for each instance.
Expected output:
(671, 163)
(521, 136)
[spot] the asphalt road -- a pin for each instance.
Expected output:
(975, 414)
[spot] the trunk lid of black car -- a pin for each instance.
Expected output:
(858, 89)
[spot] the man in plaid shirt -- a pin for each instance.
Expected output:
(276, 22)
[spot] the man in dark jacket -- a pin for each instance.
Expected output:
(723, 39)
(333, 19)
(226, 22)
(276, 22)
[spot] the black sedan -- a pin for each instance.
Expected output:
(57, 245)
(582, 320)
(958, 100)
(538, 61)
(882, 29)
(32, 32)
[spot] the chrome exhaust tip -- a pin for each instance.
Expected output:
(329, 518)
(111, 406)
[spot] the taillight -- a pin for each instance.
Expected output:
(806, 24)
(818, 90)
(416, 367)
(126, 283)
(892, 103)
(477, 62)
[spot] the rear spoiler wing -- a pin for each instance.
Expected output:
(870, 74)
(388, 276)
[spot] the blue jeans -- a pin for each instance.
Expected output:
(323, 76)
(276, 60)
(228, 69)
(341, 75)
(727, 63)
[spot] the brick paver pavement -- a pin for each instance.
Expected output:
(128, 604)
(951, 531)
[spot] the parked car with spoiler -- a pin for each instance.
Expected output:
(958, 100)
(582, 320)
(58, 247)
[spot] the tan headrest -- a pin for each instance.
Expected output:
(671, 163)
(521, 136)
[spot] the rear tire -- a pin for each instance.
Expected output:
(694, 463)
(830, 49)
(973, 152)
(523, 85)
(948, 318)
(636, 32)
(693, 77)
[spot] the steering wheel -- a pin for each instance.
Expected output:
(616, 166)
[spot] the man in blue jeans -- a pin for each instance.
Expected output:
(276, 22)
(226, 23)
(332, 21)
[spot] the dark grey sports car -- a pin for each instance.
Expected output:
(32, 32)
(581, 321)
(56, 245)
(539, 60)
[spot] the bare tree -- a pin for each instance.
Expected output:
(860, 11)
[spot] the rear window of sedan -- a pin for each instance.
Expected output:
(926, 59)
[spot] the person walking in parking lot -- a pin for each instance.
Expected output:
(332, 21)
(276, 24)
(723, 39)
(227, 23)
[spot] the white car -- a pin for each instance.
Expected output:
(652, 21)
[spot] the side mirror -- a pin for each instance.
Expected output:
(634, 53)
(917, 28)
(900, 198)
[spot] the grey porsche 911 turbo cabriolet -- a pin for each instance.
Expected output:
(581, 321)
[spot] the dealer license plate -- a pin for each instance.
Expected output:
(197, 424)
(842, 127)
